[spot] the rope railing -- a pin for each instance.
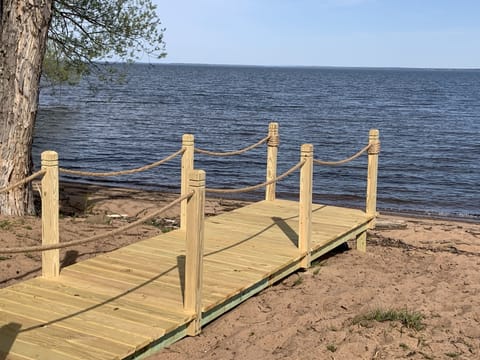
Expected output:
(17, 250)
(23, 181)
(258, 186)
(122, 172)
(231, 153)
(353, 157)
(192, 207)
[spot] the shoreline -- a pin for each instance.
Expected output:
(170, 192)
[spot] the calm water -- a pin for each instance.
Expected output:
(429, 122)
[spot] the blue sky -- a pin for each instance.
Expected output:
(376, 33)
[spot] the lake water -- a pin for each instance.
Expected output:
(429, 122)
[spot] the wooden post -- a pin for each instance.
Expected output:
(362, 242)
(305, 204)
(194, 250)
(50, 198)
(187, 166)
(373, 151)
(272, 151)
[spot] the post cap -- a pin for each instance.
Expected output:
(188, 139)
(49, 156)
(196, 178)
(306, 148)
(373, 134)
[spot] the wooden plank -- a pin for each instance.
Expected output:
(11, 356)
(104, 285)
(32, 351)
(79, 348)
(137, 269)
(135, 314)
(168, 286)
(27, 306)
(69, 340)
(65, 341)
(255, 251)
(174, 285)
(104, 329)
(83, 301)
(168, 254)
(242, 263)
(121, 273)
(108, 310)
(142, 260)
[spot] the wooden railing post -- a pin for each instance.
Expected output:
(373, 151)
(194, 250)
(50, 213)
(305, 204)
(187, 166)
(272, 151)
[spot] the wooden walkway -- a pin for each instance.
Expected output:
(129, 303)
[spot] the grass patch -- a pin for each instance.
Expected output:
(452, 355)
(409, 319)
(165, 225)
(32, 256)
(5, 225)
(298, 281)
(331, 347)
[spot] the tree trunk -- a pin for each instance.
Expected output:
(23, 33)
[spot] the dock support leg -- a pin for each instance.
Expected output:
(194, 250)
(362, 242)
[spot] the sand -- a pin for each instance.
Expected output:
(419, 266)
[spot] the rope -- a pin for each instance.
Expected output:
(17, 250)
(230, 153)
(123, 172)
(255, 187)
(24, 181)
(344, 161)
(274, 140)
(374, 148)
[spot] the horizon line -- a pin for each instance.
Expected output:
(296, 66)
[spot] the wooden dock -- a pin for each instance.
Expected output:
(130, 302)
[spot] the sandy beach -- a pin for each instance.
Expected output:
(424, 271)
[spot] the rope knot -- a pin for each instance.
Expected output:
(374, 148)
(273, 140)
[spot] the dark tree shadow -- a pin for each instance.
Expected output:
(181, 274)
(8, 334)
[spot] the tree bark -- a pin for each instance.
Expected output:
(23, 33)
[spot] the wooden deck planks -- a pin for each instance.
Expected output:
(114, 305)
